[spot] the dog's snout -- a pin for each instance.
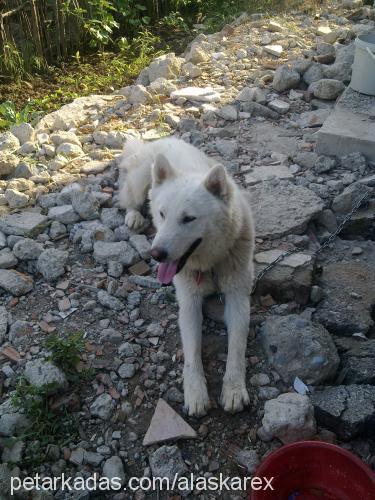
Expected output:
(159, 254)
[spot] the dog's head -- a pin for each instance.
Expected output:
(190, 215)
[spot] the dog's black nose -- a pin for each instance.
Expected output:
(159, 254)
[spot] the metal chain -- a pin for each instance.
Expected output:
(324, 245)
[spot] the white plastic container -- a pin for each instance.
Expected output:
(363, 75)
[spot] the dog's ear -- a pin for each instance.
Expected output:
(216, 182)
(162, 170)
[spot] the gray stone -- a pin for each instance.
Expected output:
(361, 224)
(266, 393)
(324, 164)
(296, 347)
(57, 230)
(76, 456)
(328, 220)
(349, 411)
(114, 468)
(129, 350)
(127, 370)
(135, 94)
(349, 128)
(13, 453)
(69, 150)
(16, 199)
(260, 379)
(13, 423)
(167, 425)
(227, 148)
(191, 70)
(40, 372)
(292, 209)
(116, 251)
(197, 54)
(162, 86)
(94, 167)
(67, 137)
(102, 407)
(115, 269)
(248, 459)
(345, 201)
(4, 318)
(51, 263)
(15, 283)
(141, 244)
(167, 462)
(8, 163)
(342, 68)
(110, 301)
(8, 142)
(252, 94)
(112, 217)
(18, 330)
(290, 279)
(229, 113)
(354, 162)
(358, 362)
(327, 88)
(314, 118)
(166, 66)
(285, 78)
(341, 311)
(92, 458)
(7, 259)
(314, 73)
(279, 106)
(274, 50)
(257, 109)
(64, 214)
(267, 172)
(27, 249)
(306, 159)
(289, 417)
(24, 132)
(85, 204)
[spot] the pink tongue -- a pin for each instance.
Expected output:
(167, 271)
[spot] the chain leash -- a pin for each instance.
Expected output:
(360, 201)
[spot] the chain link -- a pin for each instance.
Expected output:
(360, 201)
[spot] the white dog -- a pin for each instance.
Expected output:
(204, 243)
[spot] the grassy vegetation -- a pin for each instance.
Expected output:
(50, 424)
(114, 61)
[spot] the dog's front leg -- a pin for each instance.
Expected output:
(234, 395)
(190, 321)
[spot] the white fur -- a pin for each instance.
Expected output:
(185, 182)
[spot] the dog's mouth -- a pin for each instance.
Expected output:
(168, 270)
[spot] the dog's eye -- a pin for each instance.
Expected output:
(187, 219)
(162, 215)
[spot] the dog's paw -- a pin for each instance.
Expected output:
(134, 219)
(197, 402)
(234, 396)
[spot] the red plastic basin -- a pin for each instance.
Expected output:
(312, 470)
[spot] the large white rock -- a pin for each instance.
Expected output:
(40, 373)
(24, 132)
(289, 417)
(205, 94)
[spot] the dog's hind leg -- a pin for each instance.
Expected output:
(190, 320)
(234, 395)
